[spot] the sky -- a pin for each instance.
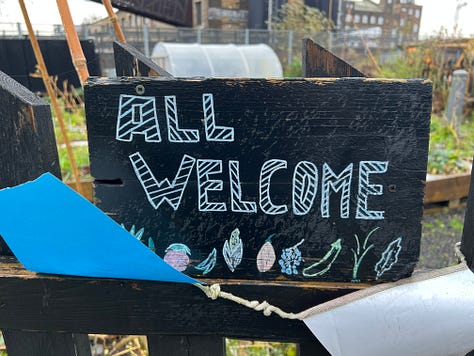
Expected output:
(436, 13)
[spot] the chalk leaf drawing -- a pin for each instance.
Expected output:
(233, 250)
(177, 256)
(389, 257)
(324, 264)
(266, 255)
(151, 244)
(138, 234)
(290, 259)
(359, 253)
(208, 264)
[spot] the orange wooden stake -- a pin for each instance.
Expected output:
(78, 58)
(114, 21)
(52, 95)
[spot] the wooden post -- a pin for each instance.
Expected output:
(467, 242)
(319, 62)
(129, 62)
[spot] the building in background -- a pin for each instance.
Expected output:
(393, 18)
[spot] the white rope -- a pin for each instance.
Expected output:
(214, 291)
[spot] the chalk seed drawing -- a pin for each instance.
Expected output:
(237, 204)
(389, 257)
(137, 116)
(175, 134)
(365, 189)
(233, 250)
(209, 263)
(305, 187)
(266, 255)
(214, 132)
(336, 182)
(266, 204)
(158, 192)
(205, 168)
(177, 256)
(359, 254)
(290, 259)
(324, 264)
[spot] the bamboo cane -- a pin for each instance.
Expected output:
(54, 100)
(78, 58)
(114, 21)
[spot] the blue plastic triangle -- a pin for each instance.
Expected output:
(52, 229)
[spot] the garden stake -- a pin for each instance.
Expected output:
(78, 58)
(54, 100)
(114, 21)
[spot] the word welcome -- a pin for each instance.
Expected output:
(138, 116)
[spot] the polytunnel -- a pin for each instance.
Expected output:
(218, 61)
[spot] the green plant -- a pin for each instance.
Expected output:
(293, 70)
(259, 348)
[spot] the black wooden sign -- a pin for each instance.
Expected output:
(298, 180)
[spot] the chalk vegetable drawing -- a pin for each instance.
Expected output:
(177, 256)
(208, 264)
(138, 234)
(233, 250)
(359, 254)
(290, 259)
(266, 255)
(324, 264)
(389, 257)
(151, 244)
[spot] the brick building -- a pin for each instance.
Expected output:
(396, 18)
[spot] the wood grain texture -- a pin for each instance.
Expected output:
(129, 62)
(183, 345)
(338, 122)
(334, 121)
(21, 343)
(81, 305)
(467, 242)
(318, 62)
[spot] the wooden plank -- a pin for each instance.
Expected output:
(332, 125)
(129, 62)
(183, 345)
(467, 242)
(445, 188)
(103, 306)
(318, 62)
(21, 343)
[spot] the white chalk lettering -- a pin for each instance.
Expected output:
(341, 182)
(175, 134)
(266, 204)
(366, 168)
(205, 168)
(237, 204)
(214, 132)
(137, 116)
(305, 187)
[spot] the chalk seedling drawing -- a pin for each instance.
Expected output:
(290, 259)
(389, 257)
(266, 255)
(324, 264)
(177, 256)
(138, 234)
(360, 253)
(208, 264)
(233, 250)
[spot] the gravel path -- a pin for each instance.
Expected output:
(441, 231)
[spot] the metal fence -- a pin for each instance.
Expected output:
(287, 44)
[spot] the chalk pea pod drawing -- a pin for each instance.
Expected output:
(177, 256)
(359, 253)
(324, 264)
(290, 259)
(266, 255)
(233, 250)
(208, 264)
(389, 257)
